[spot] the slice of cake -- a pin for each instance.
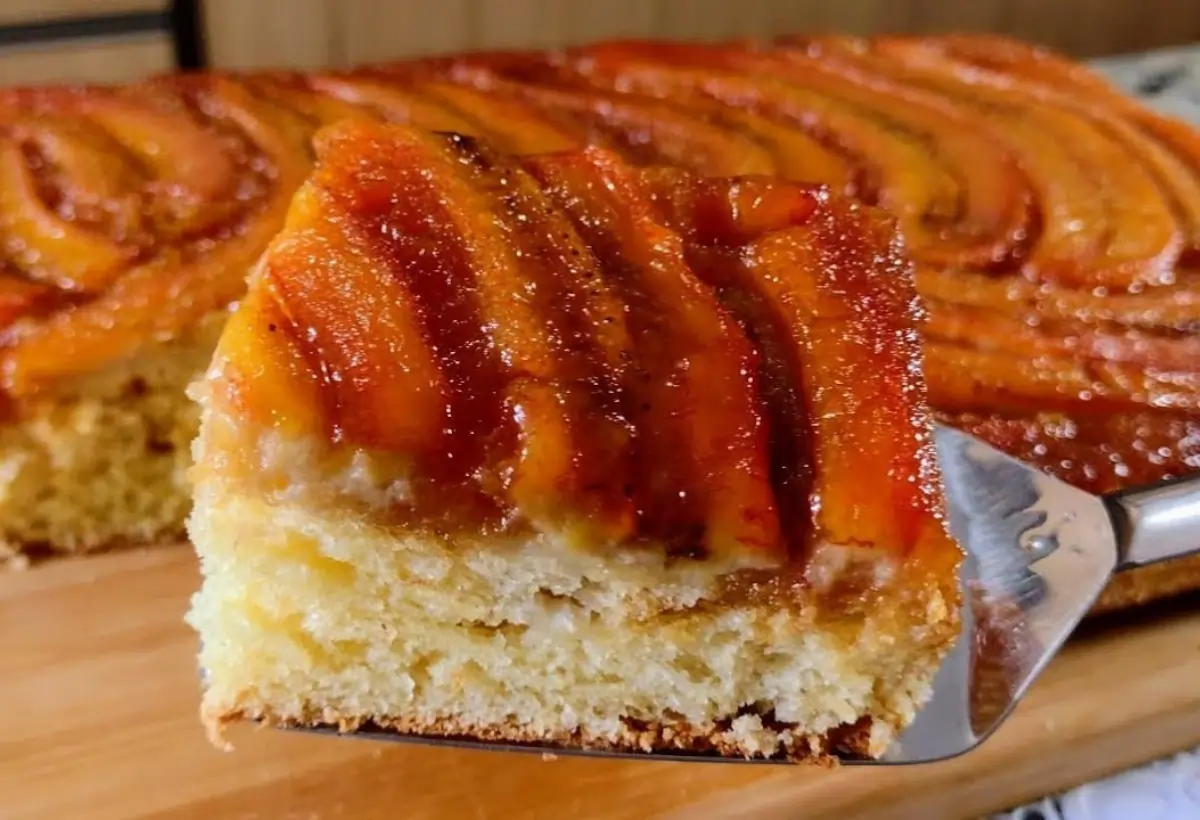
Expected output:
(555, 451)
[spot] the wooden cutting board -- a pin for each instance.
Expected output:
(98, 692)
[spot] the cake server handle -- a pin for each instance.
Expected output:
(1156, 522)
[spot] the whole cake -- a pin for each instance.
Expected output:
(1054, 224)
(555, 450)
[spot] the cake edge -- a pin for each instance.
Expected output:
(99, 462)
(859, 740)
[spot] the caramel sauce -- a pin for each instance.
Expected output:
(566, 393)
(718, 367)
(825, 282)
(138, 212)
(1058, 273)
(699, 446)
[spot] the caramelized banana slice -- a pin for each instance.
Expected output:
(185, 272)
(701, 468)
(927, 158)
(822, 287)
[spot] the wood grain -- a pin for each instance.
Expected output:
(99, 688)
(36, 11)
(291, 33)
(308, 33)
(87, 60)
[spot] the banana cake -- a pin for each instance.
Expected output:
(556, 450)
(1053, 221)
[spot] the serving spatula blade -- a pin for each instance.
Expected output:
(1038, 553)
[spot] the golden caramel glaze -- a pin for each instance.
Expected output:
(1053, 221)
(823, 288)
(127, 215)
(1057, 272)
(724, 367)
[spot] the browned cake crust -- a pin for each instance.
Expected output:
(849, 742)
(1140, 586)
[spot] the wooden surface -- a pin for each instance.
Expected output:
(99, 690)
(96, 60)
(312, 33)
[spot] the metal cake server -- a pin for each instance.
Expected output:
(1038, 554)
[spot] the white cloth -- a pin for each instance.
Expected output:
(1165, 790)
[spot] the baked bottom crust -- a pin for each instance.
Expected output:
(746, 735)
(103, 464)
(1136, 587)
(321, 617)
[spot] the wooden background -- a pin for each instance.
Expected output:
(51, 41)
(308, 33)
(314, 33)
